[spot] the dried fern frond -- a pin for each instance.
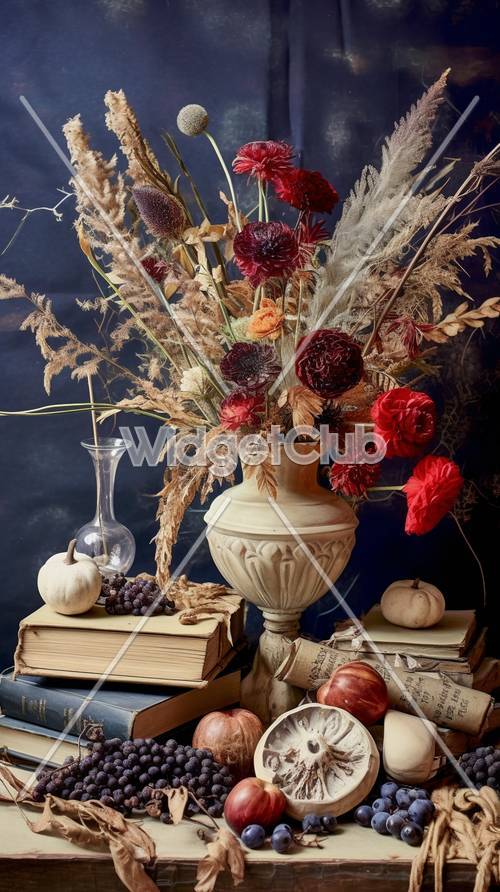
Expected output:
(121, 120)
(181, 486)
(376, 197)
(10, 289)
(265, 475)
(461, 318)
(304, 404)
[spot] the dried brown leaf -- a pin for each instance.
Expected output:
(265, 475)
(461, 318)
(224, 852)
(177, 801)
(305, 404)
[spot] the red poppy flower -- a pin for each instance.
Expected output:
(431, 492)
(265, 160)
(328, 362)
(241, 408)
(406, 419)
(353, 480)
(265, 250)
(307, 190)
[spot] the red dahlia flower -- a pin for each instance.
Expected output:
(431, 492)
(265, 250)
(307, 190)
(328, 362)
(353, 480)
(406, 419)
(241, 408)
(265, 160)
(250, 365)
(155, 267)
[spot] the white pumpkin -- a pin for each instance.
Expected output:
(412, 604)
(410, 752)
(67, 584)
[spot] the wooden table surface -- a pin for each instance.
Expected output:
(353, 858)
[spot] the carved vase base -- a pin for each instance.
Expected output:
(261, 692)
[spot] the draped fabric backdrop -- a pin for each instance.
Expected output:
(330, 76)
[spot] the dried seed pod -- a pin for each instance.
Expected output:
(322, 758)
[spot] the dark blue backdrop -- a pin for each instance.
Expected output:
(331, 76)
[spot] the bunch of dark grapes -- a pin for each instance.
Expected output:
(402, 812)
(131, 774)
(136, 596)
(482, 765)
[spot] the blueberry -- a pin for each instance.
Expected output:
(412, 834)
(416, 793)
(329, 823)
(403, 798)
(283, 827)
(383, 804)
(363, 815)
(389, 790)
(253, 836)
(379, 821)
(311, 824)
(395, 823)
(281, 840)
(421, 811)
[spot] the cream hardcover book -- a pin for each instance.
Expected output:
(125, 648)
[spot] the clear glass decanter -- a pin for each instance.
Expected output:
(106, 540)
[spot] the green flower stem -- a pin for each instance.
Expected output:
(299, 309)
(227, 175)
(385, 488)
(261, 200)
(266, 208)
(72, 408)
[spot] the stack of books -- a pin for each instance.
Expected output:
(130, 678)
(454, 647)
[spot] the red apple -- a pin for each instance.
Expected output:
(359, 689)
(231, 735)
(253, 801)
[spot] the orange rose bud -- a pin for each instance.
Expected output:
(266, 322)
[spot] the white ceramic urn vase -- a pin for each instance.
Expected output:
(271, 553)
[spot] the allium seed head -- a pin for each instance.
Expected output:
(192, 120)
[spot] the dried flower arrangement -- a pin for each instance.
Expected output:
(253, 322)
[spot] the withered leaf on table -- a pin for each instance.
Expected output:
(177, 801)
(128, 869)
(224, 852)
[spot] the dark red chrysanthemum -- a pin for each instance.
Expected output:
(265, 250)
(353, 480)
(328, 362)
(307, 190)
(406, 419)
(250, 365)
(265, 160)
(431, 492)
(156, 268)
(308, 236)
(241, 409)
(163, 215)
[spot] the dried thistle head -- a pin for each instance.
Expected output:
(163, 215)
(192, 120)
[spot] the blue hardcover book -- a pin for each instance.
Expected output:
(134, 711)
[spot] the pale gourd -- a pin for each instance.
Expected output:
(69, 585)
(410, 753)
(412, 604)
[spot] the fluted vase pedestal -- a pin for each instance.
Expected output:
(270, 551)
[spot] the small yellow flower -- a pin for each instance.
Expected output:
(267, 321)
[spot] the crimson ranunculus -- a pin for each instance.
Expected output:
(431, 492)
(265, 250)
(307, 190)
(241, 408)
(264, 159)
(353, 480)
(328, 362)
(406, 419)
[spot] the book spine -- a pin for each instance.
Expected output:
(53, 709)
